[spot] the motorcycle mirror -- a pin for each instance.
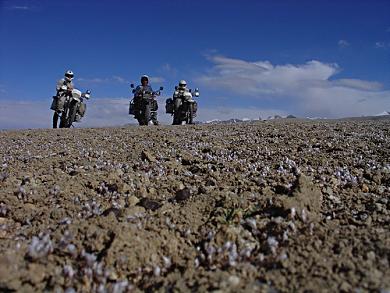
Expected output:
(196, 89)
(161, 88)
(88, 92)
(132, 85)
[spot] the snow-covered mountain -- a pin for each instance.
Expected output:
(384, 113)
(246, 120)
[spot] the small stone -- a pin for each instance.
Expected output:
(36, 273)
(149, 204)
(132, 201)
(182, 195)
(234, 281)
(365, 188)
(281, 189)
(211, 182)
(371, 255)
(146, 156)
(115, 211)
(345, 287)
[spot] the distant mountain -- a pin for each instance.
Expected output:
(384, 113)
(246, 120)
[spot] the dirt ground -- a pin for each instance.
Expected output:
(275, 206)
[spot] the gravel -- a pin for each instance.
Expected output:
(287, 205)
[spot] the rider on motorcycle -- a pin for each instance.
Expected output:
(143, 87)
(182, 106)
(64, 88)
(179, 93)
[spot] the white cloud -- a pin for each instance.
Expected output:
(310, 86)
(24, 114)
(343, 43)
(110, 112)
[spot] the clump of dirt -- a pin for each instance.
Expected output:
(287, 205)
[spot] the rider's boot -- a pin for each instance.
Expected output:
(55, 119)
(154, 118)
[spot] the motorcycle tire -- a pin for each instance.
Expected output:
(63, 120)
(72, 114)
(176, 119)
(147, 114)
(190, 115)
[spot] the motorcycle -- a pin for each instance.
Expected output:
(144, 106)
(71, 107)
(183, 107)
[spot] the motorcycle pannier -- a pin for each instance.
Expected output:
(132, 108)
(154, 105)
(81, 109)
(58, 103)
(195, 107)
(169, 106)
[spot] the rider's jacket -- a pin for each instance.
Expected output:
(139, 89)
(181, 92)
(63, 86)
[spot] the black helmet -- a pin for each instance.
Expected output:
(144, 77)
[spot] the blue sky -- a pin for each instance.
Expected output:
(249, 58)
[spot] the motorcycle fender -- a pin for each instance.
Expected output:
(178, 103)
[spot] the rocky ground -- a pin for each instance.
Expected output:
(272, 206)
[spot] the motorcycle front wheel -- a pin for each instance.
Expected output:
(190, 114)
(147, 114)
(63, 119)
(176, 119)
(72, 114)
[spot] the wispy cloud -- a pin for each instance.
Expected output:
(2, 89)
(343, 44)
(168, 69)
(310, 87)
(16, 7)
(100, 80)
(382, 45)
(113, 79)
(156, 79)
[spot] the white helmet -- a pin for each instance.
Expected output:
(182, 83)
(69, 75)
